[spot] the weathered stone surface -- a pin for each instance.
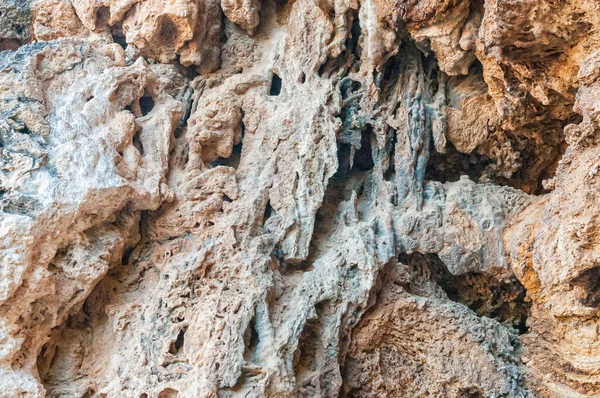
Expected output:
(15, 23)
(555, 253)
(74, 180)
(395, 352)
(303, 198)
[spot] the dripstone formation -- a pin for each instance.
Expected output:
(301, 198)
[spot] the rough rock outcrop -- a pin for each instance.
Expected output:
(299, 198)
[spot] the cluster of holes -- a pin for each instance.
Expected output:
(144, 106)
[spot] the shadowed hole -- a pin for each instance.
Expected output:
(275, 85)
(363, 158)
(481, 293)
(176, 345)
(137, 143)
(232, 161)
(251, 340)
(120, 40)
(268, 211)
(146, 105)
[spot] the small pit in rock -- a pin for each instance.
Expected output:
(275, 88)
(177, 345)
(363, 157)
(146, 104)
(137, 143)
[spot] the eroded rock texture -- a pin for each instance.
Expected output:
(270, 198)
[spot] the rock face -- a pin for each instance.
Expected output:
(270, 198)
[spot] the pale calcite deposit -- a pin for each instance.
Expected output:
(270, 198)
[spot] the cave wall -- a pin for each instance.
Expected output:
(355, 198)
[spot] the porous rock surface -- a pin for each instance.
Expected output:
(270, 198)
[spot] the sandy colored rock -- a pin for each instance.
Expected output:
(554, 251)
(333, 198)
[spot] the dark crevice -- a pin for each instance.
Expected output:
(146, 105)
(232, 161)
(275, 88)
(242, 129)
(355, 32)
(483, 294)
(451, 165)
(251, 340)
(177, 345)
(363, 157)
(120, 40)
(127, 256)
(472, 392)
(268, 211)
(137, 143)
(391, 150)
(321, 69)
(390, 73)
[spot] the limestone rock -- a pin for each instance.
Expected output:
(72, 159)
(204, 198)
(15, 23)
(554, 252)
